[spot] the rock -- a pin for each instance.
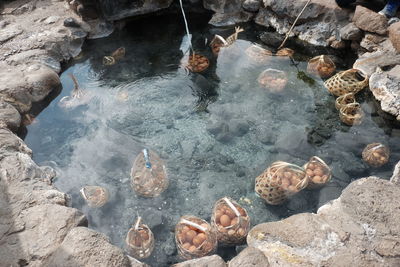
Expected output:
(394, 35)
(249, 257)
(355, 228)
(223, 6)
(119, 9)
(227, 19)
(209, 261)
(251, 5)
(369, 62)
(370, 21)
(371, 42)
(9, 116)
(71, 22)
(85, 247)
(6, 35)
(385, 86)
(350, 32)
(11, 144)
(51, 19)
(42, 81)
(396, 174)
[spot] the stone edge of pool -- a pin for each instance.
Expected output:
(38, 228)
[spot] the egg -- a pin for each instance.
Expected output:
(190, 235)
(234, 221)
(192, 249)
(241, 232)
(144, 234)
(309, 172)
(231, 232)
(186, 246)
(225, 220)
(230, 213)
(197, 241)
(318, 172)
(317, 179)
(202, 237)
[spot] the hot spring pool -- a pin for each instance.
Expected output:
(216, 131)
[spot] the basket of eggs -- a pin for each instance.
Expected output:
(95, 196)
(194, 237)
(273, 80)
(140, 240)
(318, 172)
(231, 221)
(376, 154)
(322, 66)
(148, 174)
(197, 63)
(280, 181)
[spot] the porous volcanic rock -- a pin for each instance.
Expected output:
(359, 227)
(370, 21)
(385, 85)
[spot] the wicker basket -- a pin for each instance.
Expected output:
(258, 54)
(322, 66)
(95, 196)
(345, 100)
(217, 43)
(376, 154)
(351, 114)
(349, 81)
(197, 63)
(230, 221)
(194, 238)
(285, 52)
(140, 240)
(280, 181)
(114, 57)
(148, 174)
(273, 80)
(318, 172)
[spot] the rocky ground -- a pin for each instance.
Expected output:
(37, 228)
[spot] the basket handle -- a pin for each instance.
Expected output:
(137, 223)
(232, 206)
(195, 225)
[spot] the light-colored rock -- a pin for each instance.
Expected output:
(251, 5)
(371, 42)
(227, 19)
(209, 261)
(85, 247)
(370, 21)
(350, 32)
(394, 35)
(369, 62)
(249, 257)
(9, 116)
(223, 6)
(361, 227)
(385, 86)
(396, 174)
(11, 144)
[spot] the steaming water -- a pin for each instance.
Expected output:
(216, 131)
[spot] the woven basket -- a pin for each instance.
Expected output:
(140, 240)
(273, 80)
(114, 57)
(197, 63)
(285, 52)
(351, 114)
(345, 100)
(194, 238)
(217, 43)
(318, 172)
(349, 81)
(95, 196)
(376, 154)
(230, 221)
(280, 181)
(148, 174)
(322, 66)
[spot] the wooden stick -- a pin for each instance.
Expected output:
(294, 23)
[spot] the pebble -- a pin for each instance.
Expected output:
(71, 22)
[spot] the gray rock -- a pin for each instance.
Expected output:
(369, 20)
(251, 5)
(153, 218)
(11, 144)
(350, 32)
(371, 42)
(209, 261)
(85, 247)
(369, 62)
(385, 87)
(9, 116)
(249, 257)
(355, 228)
(116, 10)
(9, 34)
(51, 19)
(396, 174)
(71, 22)
(227, 19)
(223, 6)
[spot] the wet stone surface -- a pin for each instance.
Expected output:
(216, 131)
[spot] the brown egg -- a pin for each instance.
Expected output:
(318, 171)
(197, 241)
(230, 213)
(309, 172)
(207, 247)
(287, 174)
(138, 241)
(186, 246)
(190, 235)
(234, 221)
(317, 179)
(231, 232)
(311, 166)
(144, 235)
(202, 237)
(192, 249)
(292, 188)
(225, 220)
(376, 154)
(285, 182)
(241, 232)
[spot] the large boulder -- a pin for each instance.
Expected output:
(9, 116)
(359, 227)
(370, 21)
(119, 9)
(385, 85)
(394, 35)
(209, 261)
(85, 247)
(371, 62)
